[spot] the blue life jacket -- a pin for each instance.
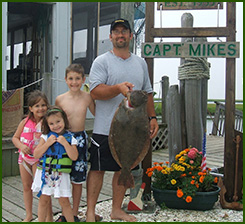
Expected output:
(55, 159)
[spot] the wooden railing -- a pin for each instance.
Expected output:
(219, 120)
(161, 139)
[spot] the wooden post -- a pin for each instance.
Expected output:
(149, 24)
(165, 87)
(191, 98)
(47, 85)
(216, 119)
(240, 166)
(193, 115)
(204, 91)
(127, 12)
(174, 124)
(229, 155)
(186, 21)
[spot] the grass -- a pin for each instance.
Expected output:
(211, 108)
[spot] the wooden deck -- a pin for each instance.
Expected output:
(12, 198)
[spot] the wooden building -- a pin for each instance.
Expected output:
(45, 37)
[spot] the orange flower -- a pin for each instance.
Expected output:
(201, 179)
(202, 173)
(159, 168)
(216, 180)
(187, 178)
(188, 199)
(153, 168)
(149, 170)
(179, 193)
(150, 174)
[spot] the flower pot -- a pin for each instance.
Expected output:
(201, 201)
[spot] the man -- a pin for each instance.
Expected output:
(112, 75)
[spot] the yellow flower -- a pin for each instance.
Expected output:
(182, 175)
(183, 152)
(187, 165)
(173, 181)
(174, 166)
(177, 156)
(181, 159)
(182, 168)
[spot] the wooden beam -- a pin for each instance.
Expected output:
(191, 32)
(229, 154)
(189, 5)
(149, 24)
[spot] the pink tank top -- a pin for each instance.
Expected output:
(30, 136)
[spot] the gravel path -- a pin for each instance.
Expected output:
(217, 214)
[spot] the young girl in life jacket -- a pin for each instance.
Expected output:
(26, 138)
(55, 151)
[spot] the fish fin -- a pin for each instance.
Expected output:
(126, 178)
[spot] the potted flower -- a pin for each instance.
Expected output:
(181, 184)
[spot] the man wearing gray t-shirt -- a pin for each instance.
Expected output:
(112, 75)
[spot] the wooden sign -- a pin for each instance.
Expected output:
(188, 5)
(190, 49)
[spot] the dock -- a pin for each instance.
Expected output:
(12, 197)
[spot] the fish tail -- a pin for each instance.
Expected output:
(126, 178)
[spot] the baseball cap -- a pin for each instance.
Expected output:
(123, 22)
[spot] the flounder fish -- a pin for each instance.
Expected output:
(129, 137)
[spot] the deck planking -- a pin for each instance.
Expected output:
(12, 197)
